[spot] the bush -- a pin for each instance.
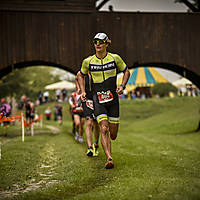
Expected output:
(163, 89)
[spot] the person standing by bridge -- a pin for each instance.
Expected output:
(103, 67)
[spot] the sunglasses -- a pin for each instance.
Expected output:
(99, 42)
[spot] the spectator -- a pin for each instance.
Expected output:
(22, 102)
(5, 110)
(40, 97)
(32, 112)
(47, 113)
(36, 117)
(56, 112)
(60, 114)
(64, 94)
(58, 94)
(46, 96)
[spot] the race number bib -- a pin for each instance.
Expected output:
(89, 104)
(104, 97)
(79, 108)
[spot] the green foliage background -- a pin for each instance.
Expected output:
(28, 81)
(163, 89)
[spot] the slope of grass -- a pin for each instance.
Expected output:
(156, 157)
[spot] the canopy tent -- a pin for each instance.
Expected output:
(182, 82)
(142, 77)
(61, 85)
(186, 87)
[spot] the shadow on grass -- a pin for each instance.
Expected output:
(190, 132)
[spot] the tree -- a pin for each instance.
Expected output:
(163, 89)
(28, 81)
(194, 6)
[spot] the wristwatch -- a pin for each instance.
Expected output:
(123, 86)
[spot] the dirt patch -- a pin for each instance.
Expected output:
(54, 129)
(45, 170)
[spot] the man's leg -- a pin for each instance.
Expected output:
(88, 131)
(105, 139)
(96, 131)
(73, 125)
(102, 118)
(96, 137)
(82, 120)
(113, 118)
(88, 113)
(77, 124)
(113, 127)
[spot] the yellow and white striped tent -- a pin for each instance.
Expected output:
(142, 77)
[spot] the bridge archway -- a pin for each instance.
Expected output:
(35, 63)
(190, 75)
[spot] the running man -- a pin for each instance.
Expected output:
(103, 67)
(77, 111)
(91, 122)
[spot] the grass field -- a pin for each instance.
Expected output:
(156, 155)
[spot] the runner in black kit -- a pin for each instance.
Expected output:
(103, 67)
(91, 123)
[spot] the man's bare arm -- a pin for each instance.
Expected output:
(81, 81)
(78, 89)
(125, 77)
(124, 81)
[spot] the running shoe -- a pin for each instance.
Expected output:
(95, 149)
(76, 136)
(109, 164)
(80, 139)
(90, 152)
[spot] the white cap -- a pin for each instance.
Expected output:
(102, 36)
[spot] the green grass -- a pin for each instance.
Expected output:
(156, 155)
